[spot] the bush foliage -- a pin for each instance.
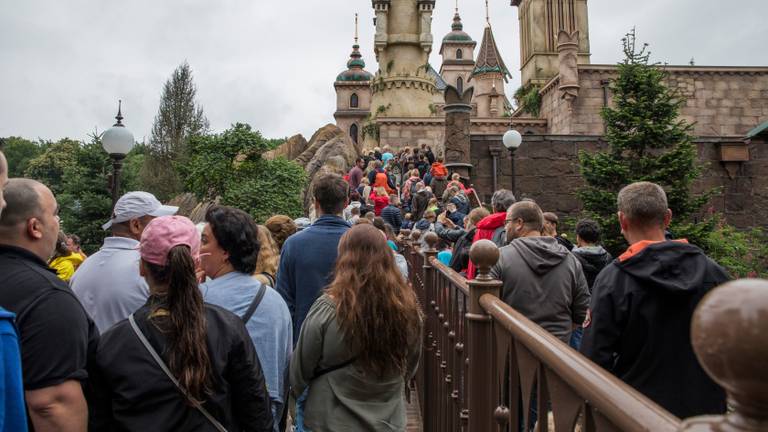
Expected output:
(229, 165)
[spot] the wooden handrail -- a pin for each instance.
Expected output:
(621, 404)
(451, 275)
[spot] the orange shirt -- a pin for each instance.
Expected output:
(639, 246)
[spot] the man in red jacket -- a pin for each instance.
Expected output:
(492, 226)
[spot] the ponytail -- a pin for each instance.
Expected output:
(185, 325)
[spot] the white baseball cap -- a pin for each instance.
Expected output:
(137, 204)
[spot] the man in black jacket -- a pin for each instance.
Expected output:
(642, 304)
(461, 238)
(592, 256)
(392, 215)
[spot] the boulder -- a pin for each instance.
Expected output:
(291, 149)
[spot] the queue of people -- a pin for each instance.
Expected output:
(170, 328)
(233, 326)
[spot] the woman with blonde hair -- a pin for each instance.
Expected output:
(379, 198)
(361, 341)
(268, 258)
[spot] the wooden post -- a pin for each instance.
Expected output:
(431, 353)
(729, 334)
(484, 254)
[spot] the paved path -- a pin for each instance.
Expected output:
(414, 413)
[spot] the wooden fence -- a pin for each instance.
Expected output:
(488, 368)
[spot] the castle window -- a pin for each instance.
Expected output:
(353, 101)
(460, 85)
(459, 54)
(353, 133)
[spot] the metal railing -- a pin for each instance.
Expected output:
(486, 367)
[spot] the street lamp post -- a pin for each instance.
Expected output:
(512, 140)
(117, 141)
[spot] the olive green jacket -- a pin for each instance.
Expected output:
(346, 399)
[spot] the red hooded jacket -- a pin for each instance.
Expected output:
(485, 230)
(379, 202)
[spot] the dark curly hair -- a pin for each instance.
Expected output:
(238, 234)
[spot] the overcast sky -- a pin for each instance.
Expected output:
(64, 64)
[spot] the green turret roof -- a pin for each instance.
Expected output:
(457, 34)
(355, 68)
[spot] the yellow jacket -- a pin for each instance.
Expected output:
(65, 266)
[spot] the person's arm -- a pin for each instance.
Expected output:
(284, 283)
(580, 294)
(59, 408)
(251, 405)
(603, 326)
(309, 349)
(54, 339)
(398, 220)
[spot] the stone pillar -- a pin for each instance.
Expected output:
(458, 110)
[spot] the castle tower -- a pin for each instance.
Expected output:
(540, 24)
(403, 86)
(353, 94)
(458, 53)
(489, 75)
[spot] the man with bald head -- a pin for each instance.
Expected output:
(642, 306)
(541, 279)
(55, 332)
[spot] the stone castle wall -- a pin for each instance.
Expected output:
(722, 101)
(547, 171)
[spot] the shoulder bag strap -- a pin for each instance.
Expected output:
(270, 278)
(219, 427)
(254, 304)
(321, 372)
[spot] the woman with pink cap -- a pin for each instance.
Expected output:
(177, 363)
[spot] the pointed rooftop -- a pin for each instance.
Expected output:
(489, 60)
(356, 65)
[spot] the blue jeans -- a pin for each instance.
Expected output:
(576, 335)
(298, 422)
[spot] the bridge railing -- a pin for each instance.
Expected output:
(488, 368)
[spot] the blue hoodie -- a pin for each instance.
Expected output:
(307, 262)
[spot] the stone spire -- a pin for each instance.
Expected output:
(489, 60)
(488, 71)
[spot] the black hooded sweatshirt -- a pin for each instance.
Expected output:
(640, 325)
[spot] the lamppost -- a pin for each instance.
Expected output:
(512, 140)
(117, 141)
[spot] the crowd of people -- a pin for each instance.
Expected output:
(229, 325)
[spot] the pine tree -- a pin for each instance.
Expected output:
(647, 142)
(178, 119)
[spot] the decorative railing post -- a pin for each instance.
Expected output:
(729, 334)
(484, 254)
(432, 354)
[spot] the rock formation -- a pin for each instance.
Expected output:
(330, 150)
(290, 149)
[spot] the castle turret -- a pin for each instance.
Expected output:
(353, 94)
(458, 53)
(540, 24)
(403, 86)
(489, 76)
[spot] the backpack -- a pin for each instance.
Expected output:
(413, 189)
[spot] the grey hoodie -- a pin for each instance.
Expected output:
(544, 282)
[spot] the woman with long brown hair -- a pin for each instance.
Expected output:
(360, 342)
(177, 364)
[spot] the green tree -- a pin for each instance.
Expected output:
(647, 142)
(178, 119)
(19, 152)
(229, 165)
(77, 173)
